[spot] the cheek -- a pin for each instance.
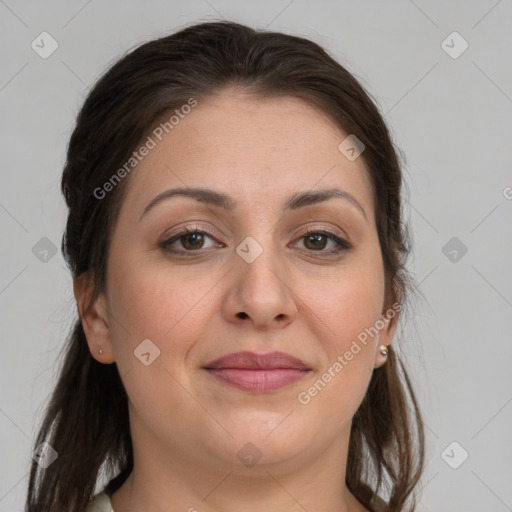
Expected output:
(151, 301)
(346, 309)
(169, 309)
(347, 305)
(345, 322)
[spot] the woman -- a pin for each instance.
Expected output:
(237, 248)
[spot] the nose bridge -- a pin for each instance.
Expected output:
(259, 244)
(262, 259)
(262, 288)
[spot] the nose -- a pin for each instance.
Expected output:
(260, 292)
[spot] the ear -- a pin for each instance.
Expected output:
(389, 319)
(94, 317)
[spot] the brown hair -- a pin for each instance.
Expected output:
(86, 421)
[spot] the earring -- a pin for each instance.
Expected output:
(384, 350)
(100, 351)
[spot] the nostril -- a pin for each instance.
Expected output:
(242, 315)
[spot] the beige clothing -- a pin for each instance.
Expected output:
(100, 503)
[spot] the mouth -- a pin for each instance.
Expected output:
(258, 372)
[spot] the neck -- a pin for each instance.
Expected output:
(176, 478)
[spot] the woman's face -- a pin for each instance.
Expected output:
(250, 279)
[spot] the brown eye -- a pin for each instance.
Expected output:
(190, 240)
(317, 240)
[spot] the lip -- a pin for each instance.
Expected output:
(250, 371)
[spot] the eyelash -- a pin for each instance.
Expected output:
(342, 245)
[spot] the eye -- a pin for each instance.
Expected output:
(191, 239)
(317, 239)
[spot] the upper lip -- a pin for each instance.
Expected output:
(254, 361)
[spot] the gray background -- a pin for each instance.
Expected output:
(452, 117)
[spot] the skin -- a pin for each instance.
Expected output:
(187, 427)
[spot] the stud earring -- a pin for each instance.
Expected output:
(100, 351)
(384, 350)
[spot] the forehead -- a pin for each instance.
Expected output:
(259, 150)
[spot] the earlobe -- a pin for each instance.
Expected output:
(386, 334)
(382, 355)
(93, 313)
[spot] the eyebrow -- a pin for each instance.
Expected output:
(220, 200)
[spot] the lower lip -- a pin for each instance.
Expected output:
(258, 380)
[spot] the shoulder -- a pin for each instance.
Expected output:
(100, 503)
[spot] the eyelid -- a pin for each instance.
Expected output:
(314, 227)
(212, 232)
(186, 227)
